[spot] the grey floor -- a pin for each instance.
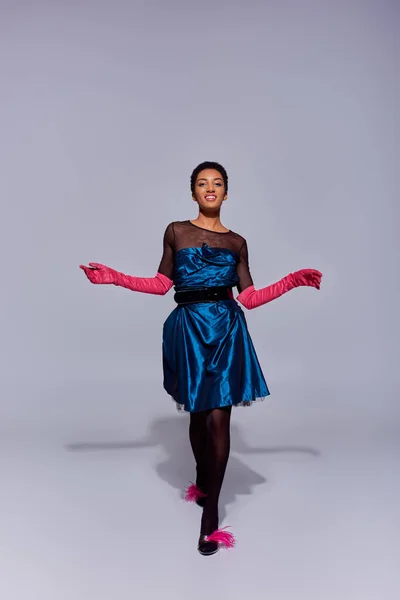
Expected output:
(91, 499)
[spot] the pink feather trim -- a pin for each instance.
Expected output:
(193, 493)
(222, 537)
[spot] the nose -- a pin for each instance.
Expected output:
(210, 188)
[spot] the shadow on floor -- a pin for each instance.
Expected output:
(177, 469)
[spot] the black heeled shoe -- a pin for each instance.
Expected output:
(207, 547)
(210, 544)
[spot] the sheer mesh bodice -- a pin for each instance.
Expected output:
(184, 234)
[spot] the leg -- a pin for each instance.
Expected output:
(198, 441)
(218, 447)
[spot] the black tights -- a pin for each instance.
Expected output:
(209, 434)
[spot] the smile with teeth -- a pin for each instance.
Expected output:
(211, 197)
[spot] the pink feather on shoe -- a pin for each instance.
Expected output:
(193, 493)
(222, 537)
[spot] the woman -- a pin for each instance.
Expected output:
(209, 360)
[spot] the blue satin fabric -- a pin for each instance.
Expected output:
(208, 356)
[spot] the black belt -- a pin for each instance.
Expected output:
(210, 294)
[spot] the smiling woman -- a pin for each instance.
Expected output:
(209, 185)
(209, 360)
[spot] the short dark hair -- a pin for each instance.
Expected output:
(208, 165)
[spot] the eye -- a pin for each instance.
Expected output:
(218, 184)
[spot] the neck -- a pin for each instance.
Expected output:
(208, 221)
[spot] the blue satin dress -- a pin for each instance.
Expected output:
(209, 360)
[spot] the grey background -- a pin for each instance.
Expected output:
(106, 107)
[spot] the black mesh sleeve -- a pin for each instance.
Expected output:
(243, 269)
(167, 263)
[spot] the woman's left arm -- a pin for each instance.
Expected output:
(251, 298)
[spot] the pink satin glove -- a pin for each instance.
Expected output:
(100, 274)
(252, 298)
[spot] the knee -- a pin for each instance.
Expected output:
(218, 427)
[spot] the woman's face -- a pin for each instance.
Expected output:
(209, 191)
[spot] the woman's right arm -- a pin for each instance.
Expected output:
(159, 285)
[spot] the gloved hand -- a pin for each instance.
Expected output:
(252, 298)
(308, 277)
(97, 273)
(101, 274)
